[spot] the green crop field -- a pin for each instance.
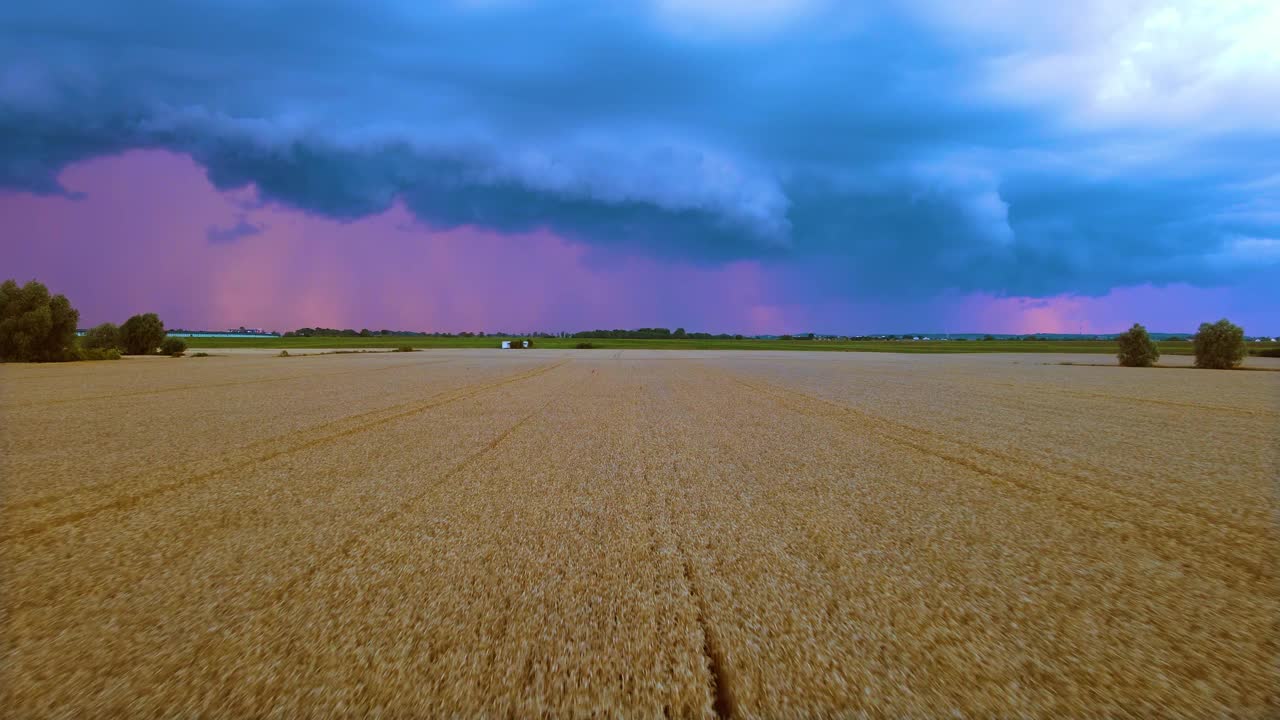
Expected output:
(900, 346)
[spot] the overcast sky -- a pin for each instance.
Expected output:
(496, 164)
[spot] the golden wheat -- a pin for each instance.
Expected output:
(566, 534)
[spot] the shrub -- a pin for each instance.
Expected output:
(34, 326)
(584, 346)
(200, 354)
(97, 354)
(283, 353)
(173, 346)
(403, 348)
(1219, 345)
(141, 334)
(1136, 348)
(102, 337)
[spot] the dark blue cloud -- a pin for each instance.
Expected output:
(852, 146)
(241, 229)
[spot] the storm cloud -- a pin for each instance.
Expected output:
(862, 150)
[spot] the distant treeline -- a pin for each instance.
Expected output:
(348, 332)
(654, 334)
(661, 333)
(639, 333)
(366, 332)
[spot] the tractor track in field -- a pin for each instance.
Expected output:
(1080, 476)
(1058, 390)
(901, 434)
(463, 392)
(719, 674)
(434, 400)
(127, 502)
(362, 535)
(1083, 471)
(1044, 389)
(713, 657)
(363, 531)
(367, 530)
(215, 386)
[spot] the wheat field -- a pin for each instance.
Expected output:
(638, 534)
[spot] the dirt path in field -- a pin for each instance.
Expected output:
(645, 534)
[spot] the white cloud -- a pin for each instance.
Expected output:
(1254, 249)
(1202, 64)
(974, 182)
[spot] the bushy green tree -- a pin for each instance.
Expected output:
(173, 346)
(1219, 345)
(1136, 348)
(34, 326)
(97, 354)
(101, 337)
(142, 334)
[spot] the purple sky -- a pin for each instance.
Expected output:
(136, 235)
(146, 231)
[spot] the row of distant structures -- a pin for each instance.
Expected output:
(231, 333)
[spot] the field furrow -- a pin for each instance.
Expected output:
(234, 450)
(1214, 537)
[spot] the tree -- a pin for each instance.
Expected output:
(102, 337)
(678, 333)
(35, 327)
(142, 334)
(1136, 348)
(173, 346)
(1219, 345)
